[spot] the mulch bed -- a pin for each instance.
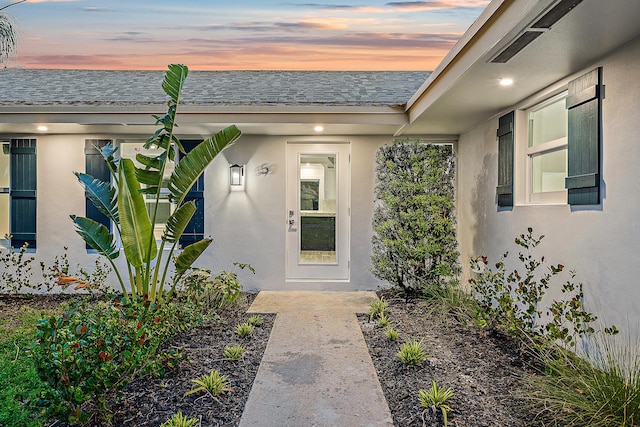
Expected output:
(485, 372)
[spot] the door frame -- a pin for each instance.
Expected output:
(340, 271)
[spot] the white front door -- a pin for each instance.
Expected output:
(318, 211)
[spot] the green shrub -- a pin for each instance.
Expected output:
(15, 269)
(233, 352)
(411, 353)
(436, 398)
(213, 383)
(95, 348)
(179, 420)
(213, 291)
(511, 300)
(414, 242)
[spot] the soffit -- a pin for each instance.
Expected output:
(465, 92)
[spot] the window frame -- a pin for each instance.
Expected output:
(525, 155)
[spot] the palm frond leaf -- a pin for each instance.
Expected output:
(148, 177)
(178, 221)
(190, 254)
(108, 153)
(174, 81)
(195, 162)
(97, 236)
(151, 162)
(101, 194)
(137, 231)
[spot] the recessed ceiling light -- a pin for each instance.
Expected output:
(43, 128)
(506, 82)
(318, 128)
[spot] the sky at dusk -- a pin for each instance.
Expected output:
(238, 35)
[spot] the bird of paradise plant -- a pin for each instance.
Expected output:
(124, 203)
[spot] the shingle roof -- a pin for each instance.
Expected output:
(253, 88)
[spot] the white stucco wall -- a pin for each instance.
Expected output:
(601, 243)
(246, 226)
(249, 226)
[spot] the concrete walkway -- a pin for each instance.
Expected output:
(316, 370)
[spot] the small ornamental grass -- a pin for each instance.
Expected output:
(212, 383)
(244, 330)
(179, 420)
(233, 352)
(256, 321)
(599, 391)
(377, 308)
(411, 353)
(383, 320)
(436, 398)
(391, 334)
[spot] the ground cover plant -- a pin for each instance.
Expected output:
(20, 386)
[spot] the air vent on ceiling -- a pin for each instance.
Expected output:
(532, 32)
(556, 13)
(515, 47)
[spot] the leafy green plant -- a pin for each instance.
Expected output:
(436, 398)
(95, 348)
(214, 291)
(244, 330)
(414, 242)
(256, 320)
(383, 320)
(125, 202)
(601, 389)
(15, 269)
(391, 334)
(378, 308)
(233, 352)
(511, 300)
(411, 353)
(179, 420)
(212, 383)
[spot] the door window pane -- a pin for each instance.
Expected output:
(317, 208)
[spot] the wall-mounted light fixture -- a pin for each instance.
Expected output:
(236, 175)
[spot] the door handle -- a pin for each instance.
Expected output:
(291, 222)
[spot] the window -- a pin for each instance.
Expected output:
(547, 152)
(557, 150)
(129, 150)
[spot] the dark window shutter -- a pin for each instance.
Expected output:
(96, 166)
(22, 194)
(583, 139)
(195, 230)
(505, 159)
